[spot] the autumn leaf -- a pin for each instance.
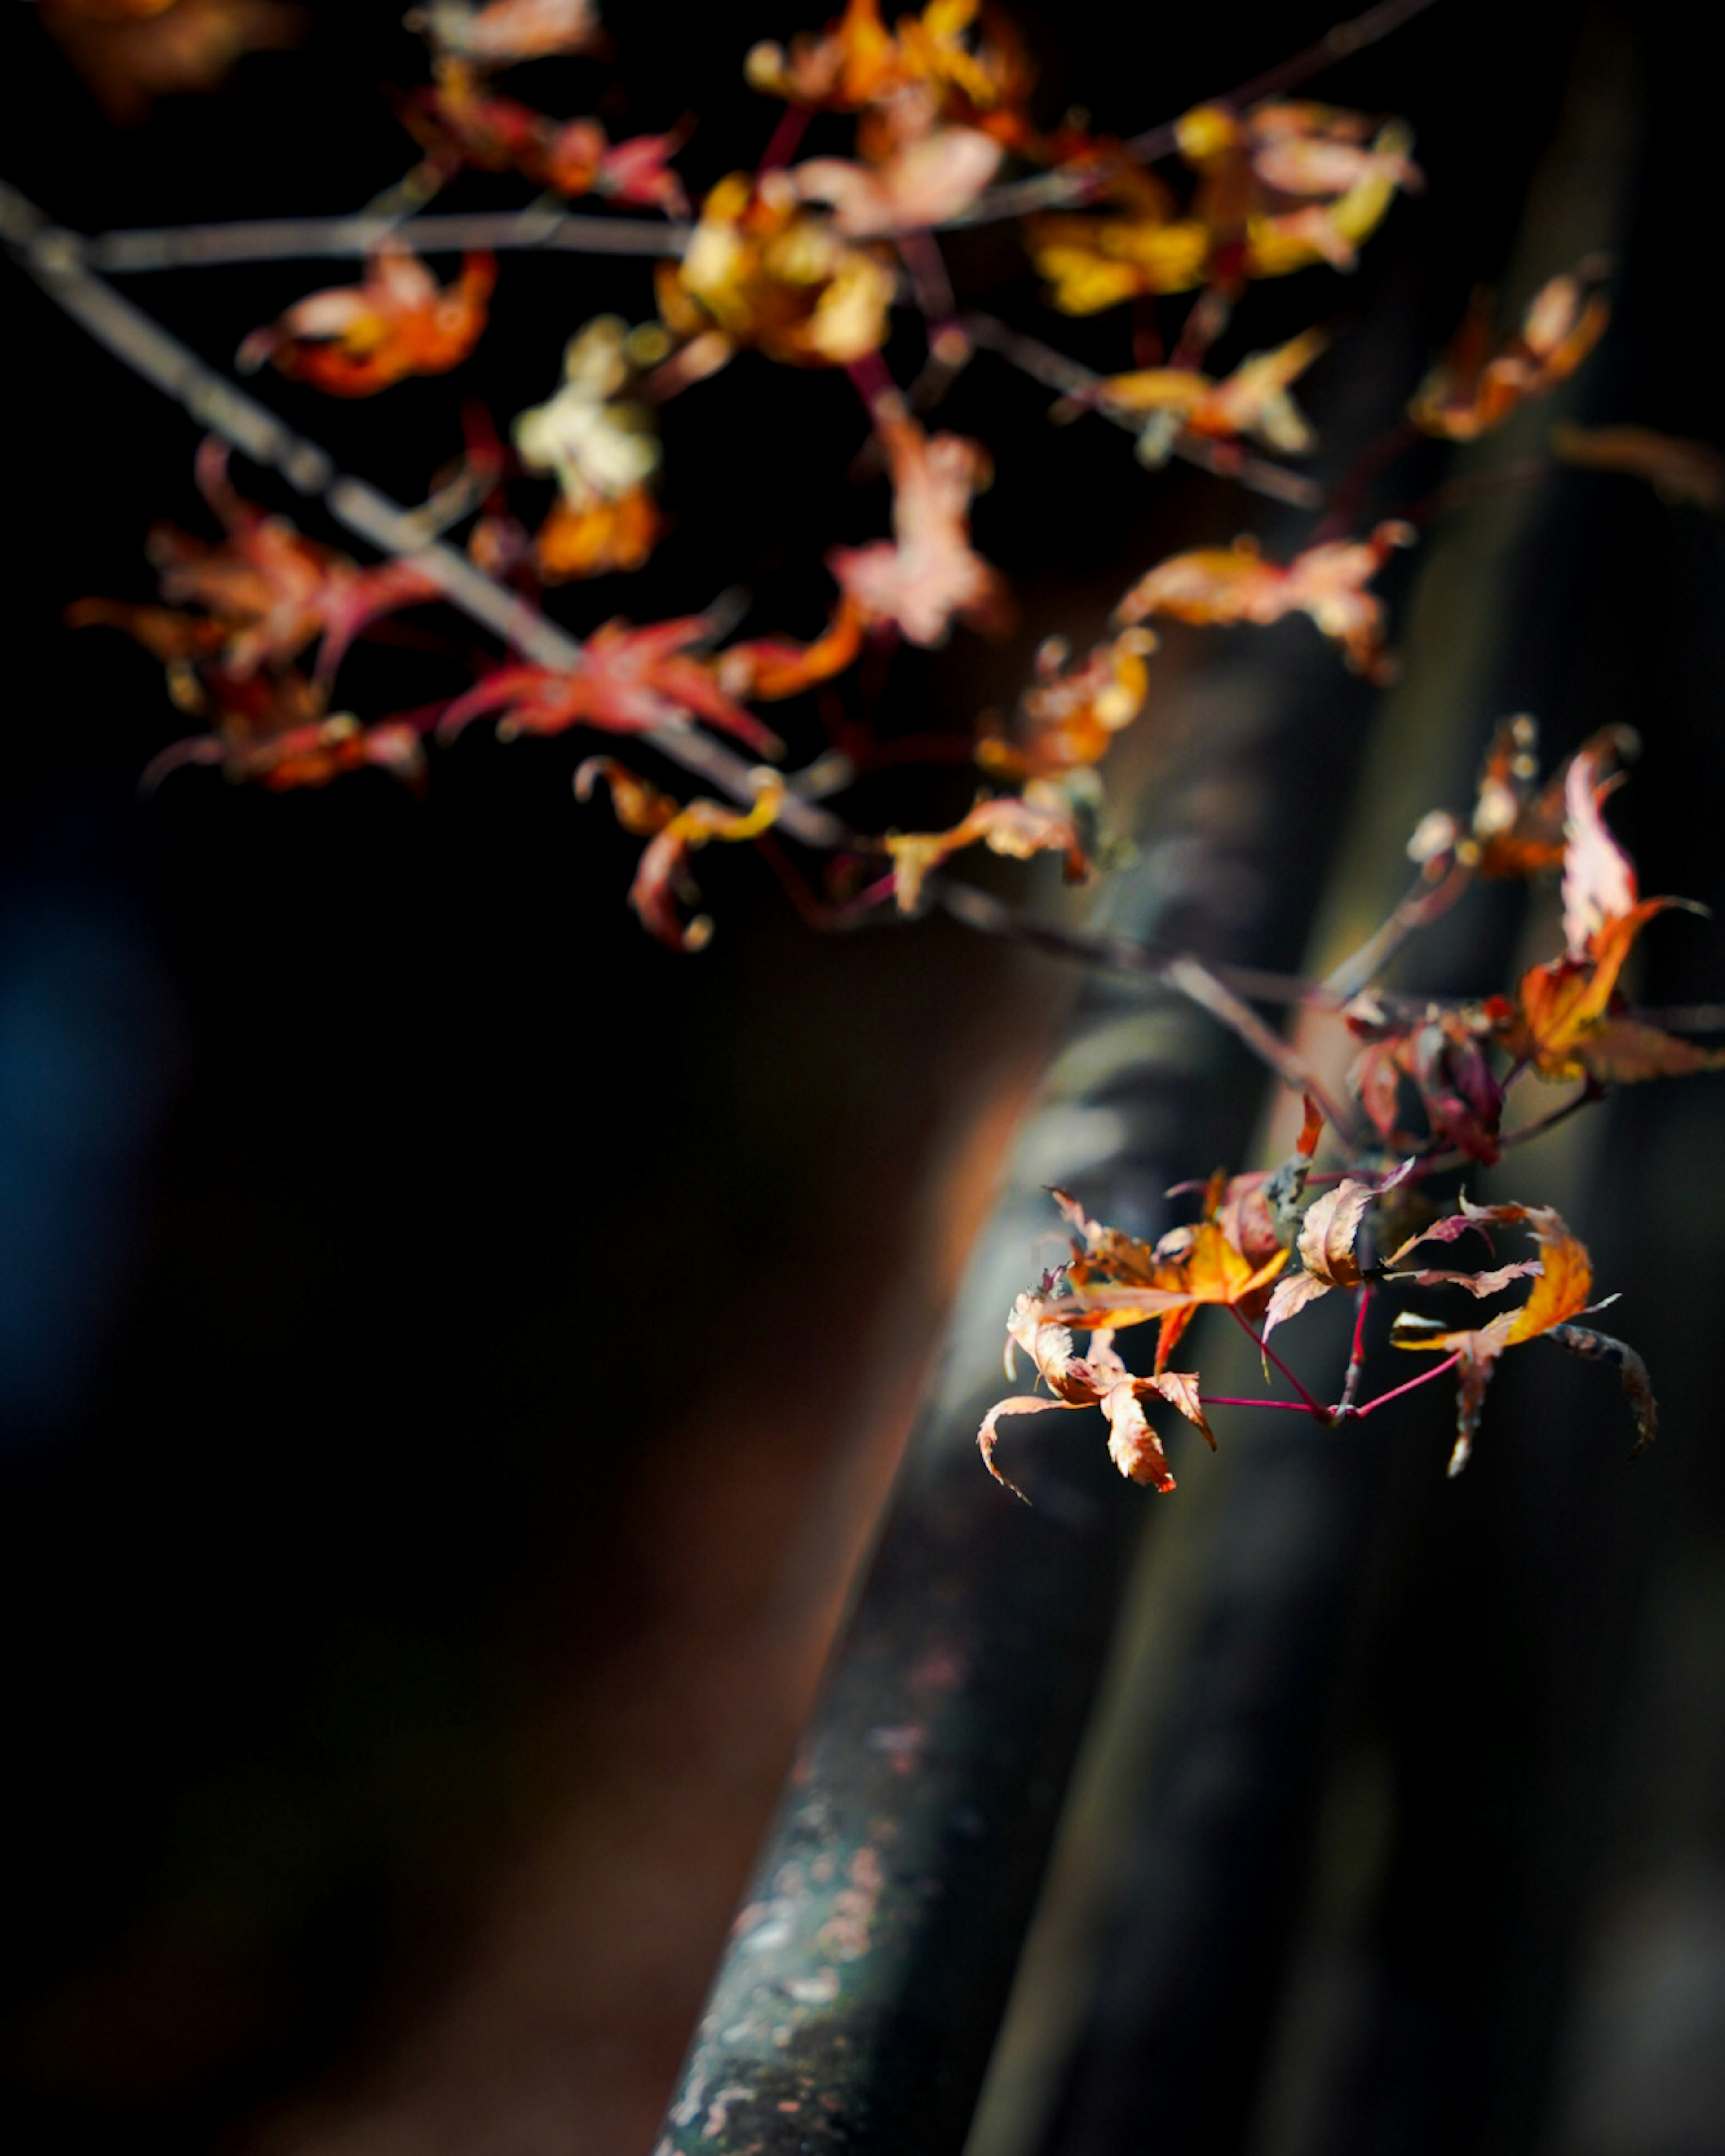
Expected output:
(354, 340)
(1219, 584)
(1327, 1248)
(1443, 1052)
(1473, 388)
(1560, 1291)
(264, 590)
(930, 573)
(629, 681)
(132, 52)
(763, 270)
(1565, 1023)
(663, 879)
(922, 173)
(602, 446)
(1120, 1281)
(503, 33)
(1252, 402)
(271, 729)
(1005, 825)
(1096, 262)
(1097, 1378)
(1069, 715)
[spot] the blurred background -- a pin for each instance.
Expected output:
(454, 1351)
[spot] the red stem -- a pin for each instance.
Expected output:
(1222, 1400)
(786, 138)
(1313, 1406)
(1413, 1385)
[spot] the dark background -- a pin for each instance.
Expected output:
(430, 1312)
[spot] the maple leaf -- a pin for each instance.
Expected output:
(354, 340)
(1003, 825)
(1098, 1379)
(1474, 388)
(602, 446)
(922, 172)
(1094, 262)
(1117, 1280)
(853, 61)
(1072, 713)
(132, 52)
(271, 729)
(1297, 147)
(929, 573)
(266, 591)
(763, 270)
(1443, 1052)
(458, 123)
(503, 33)
(1565, 1022)
(1517, 825)
(1676, 469)
(663, 879)
(1327, 1248)
(629, 681)
(1252, 402)
(1216, 584)
(1562, 1281)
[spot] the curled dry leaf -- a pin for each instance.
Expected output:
(1632, 1374)
(354, 340)
(1563, 1024)
(265, 590)
(929, 173)
(1328, 1250)
(1093, 262)
(602, 447)
(763, 270)
(132, 52)
(1071, 713)
(1219, 584)
(503, 33)
(629, 681)
(271, 729)
(1251, 403)
(1560, 1291)
(1473, 388)
(930, 573)
(1119, 1282)
(1006, 825)
(1098, 1379)
(663, 879)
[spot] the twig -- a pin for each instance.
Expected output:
(304, 238)
(54, 258)
(1423, 904)
(1195, 979)
(988, 915)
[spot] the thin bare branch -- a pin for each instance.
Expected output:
(309, 239)
(1425, 903)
